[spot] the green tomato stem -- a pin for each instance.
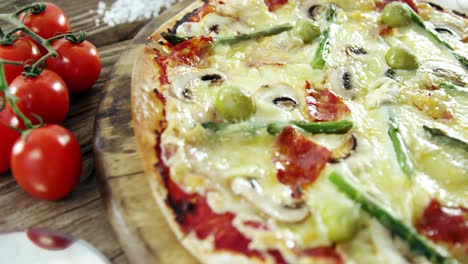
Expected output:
(19, 26)
(30, 70)
(12, 19)
(33, 8)
(417, 243)
(10, 97)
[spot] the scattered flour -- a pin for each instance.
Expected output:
(125, 11)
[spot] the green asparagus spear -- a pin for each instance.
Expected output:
(452, 88)
(173, 38)
(438, 133)
(262, 33)
(176, 39)
(324, 47)
(402, 153)
(339, 127)
(214, 126)
(417, 243)
(319, 61)
(420, 22)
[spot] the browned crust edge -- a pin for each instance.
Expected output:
(147, 111)
(148, 115)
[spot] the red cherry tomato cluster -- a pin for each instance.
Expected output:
(43, 156)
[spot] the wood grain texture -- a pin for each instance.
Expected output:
(83, 213)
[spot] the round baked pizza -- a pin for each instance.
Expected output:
(315, 131)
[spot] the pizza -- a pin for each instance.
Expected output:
(314, 131)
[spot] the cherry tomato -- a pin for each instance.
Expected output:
(78, 64)
(45, 95)
(22, 50)
(51, 22)
(8, 136)
(47, 162)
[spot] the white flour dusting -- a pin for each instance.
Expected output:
(125, 11)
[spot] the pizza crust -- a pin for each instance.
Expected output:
(148, 116)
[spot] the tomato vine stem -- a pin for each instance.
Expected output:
(9, 96)
(8, 39)
(31, 70)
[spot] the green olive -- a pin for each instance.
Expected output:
(341, 222)
(307, 30)
(401, 59)
(234, 105)
(396, 14)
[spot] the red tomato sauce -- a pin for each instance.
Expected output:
(323, 253)
(324, 105)
(299, 161)
(445, 224)
(161, 61)
(206, 9)
(256, 225)
(194, 214)
(190, 53)
(386, 31)
(274, 5)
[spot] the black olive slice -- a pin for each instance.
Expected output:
(355, 50)
(347, 84)
(391, 73)
(187, 94)
(211, 77)
(286, 103)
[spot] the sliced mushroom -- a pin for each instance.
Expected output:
(434, 5)
(185, 18)
(252, 192)
(285, 102)
(280, 94)
(344, 82)
(185, 85)
(445, 20)
(447, 31)
(348, 145)
(317, 12)
(451, 72)
(383, 91)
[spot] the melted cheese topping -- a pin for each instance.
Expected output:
(206, 162)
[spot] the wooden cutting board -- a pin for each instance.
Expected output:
(140, 227)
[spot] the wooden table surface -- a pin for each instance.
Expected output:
(82, 214)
